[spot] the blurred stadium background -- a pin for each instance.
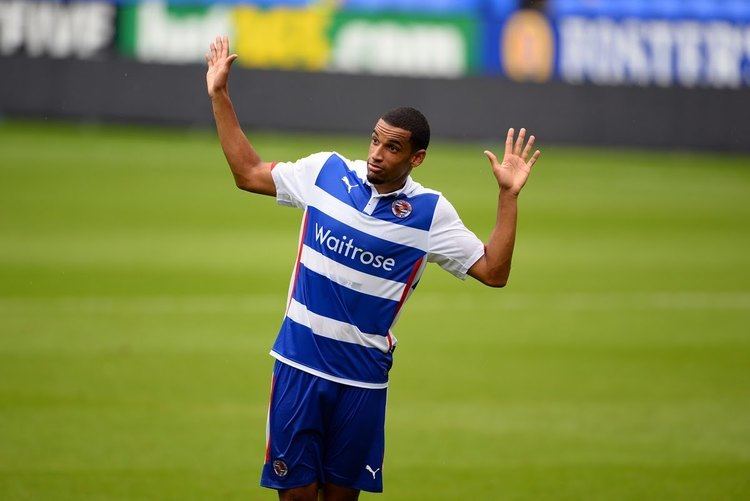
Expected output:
(140, 292)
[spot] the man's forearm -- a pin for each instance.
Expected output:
(499, 248)
(494, 267)
(240, 154)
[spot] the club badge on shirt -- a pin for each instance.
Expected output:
(401, 208)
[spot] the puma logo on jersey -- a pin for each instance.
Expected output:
(349, 186)
(371, 471)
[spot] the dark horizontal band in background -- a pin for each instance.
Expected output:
(473, 108)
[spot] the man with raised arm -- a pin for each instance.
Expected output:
(368, 231)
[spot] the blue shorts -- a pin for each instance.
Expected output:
(325, 432)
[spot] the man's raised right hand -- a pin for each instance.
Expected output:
(219, 63)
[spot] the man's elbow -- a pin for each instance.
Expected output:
(495, 279)
(246, 179)
(243, 183)
(496, 283)
(254, 178)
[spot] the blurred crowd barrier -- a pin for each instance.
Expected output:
(663, 43)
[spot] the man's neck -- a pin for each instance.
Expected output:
(382, 189)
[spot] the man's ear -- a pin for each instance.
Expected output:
(417, 158)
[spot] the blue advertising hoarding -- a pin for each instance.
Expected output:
(627, 42)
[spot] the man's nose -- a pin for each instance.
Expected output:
(377, 152)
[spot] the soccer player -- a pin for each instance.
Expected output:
(368, 231)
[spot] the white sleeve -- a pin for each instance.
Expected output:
(294, 180)
(452, 245)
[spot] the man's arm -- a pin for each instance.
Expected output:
(250, 172)
(493, 268)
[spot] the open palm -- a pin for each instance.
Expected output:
(219, 63)
(513, 171)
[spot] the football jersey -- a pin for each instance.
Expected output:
(360, 256)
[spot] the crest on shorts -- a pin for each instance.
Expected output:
(401, 208)
(280, 468)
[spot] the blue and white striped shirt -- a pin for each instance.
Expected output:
(361, 255)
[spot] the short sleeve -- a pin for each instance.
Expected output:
(452, 245)
(294, 180)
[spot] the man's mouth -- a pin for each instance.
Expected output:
(374, 168)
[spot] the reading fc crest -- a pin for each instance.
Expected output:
(401, 208)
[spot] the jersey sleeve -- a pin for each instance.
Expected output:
(452, 245)
(294, 180)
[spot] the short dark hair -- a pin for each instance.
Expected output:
(412, 120)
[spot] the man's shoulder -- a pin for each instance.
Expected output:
(437, 198)
(336, 161)
(443, 211)
(333, 157)
(320, 158)
(417, 189)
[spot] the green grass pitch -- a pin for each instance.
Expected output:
(140, 293)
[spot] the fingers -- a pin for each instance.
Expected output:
(534, 158)
(509, 142)
(492, 158)
(519, 142)
(218, 49)
(527, 150)
(515, 146)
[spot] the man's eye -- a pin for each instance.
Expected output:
(394, 149)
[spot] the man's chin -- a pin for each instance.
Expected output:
(374, 179)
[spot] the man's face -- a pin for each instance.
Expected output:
(391, 159)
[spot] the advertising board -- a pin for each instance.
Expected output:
(315, 37)
(54, 29)
(572, 41)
